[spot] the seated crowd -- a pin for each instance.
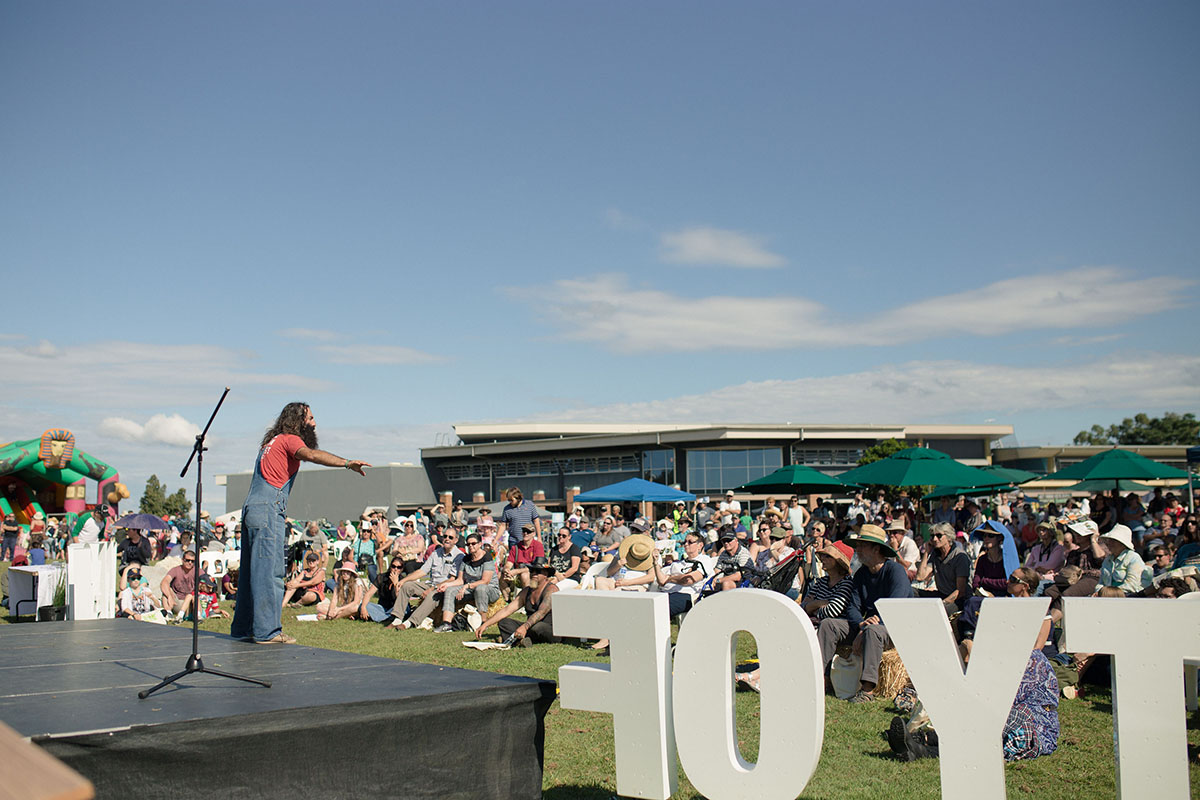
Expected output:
(450, 570)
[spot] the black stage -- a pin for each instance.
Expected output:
(333, 724)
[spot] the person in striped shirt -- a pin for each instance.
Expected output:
(517, 514)
(828, 596)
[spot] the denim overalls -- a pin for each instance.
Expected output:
(259, 610)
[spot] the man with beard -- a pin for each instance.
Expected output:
(292, 438)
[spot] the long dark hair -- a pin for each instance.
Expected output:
(291, 420)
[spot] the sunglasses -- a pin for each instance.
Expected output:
(563, 536)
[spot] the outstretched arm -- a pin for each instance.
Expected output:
(325, 459)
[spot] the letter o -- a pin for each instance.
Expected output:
(793, 702)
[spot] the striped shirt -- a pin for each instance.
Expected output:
(836, 597)
(516, 518)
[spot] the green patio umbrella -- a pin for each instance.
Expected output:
(798, 479)
(1010, 474)
(1116, 464)
(955, 491)
(920, 466)
(1108, 484)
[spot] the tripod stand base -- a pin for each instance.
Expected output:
(196, 664)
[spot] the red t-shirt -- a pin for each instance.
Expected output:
(279, 462)
(525, 555)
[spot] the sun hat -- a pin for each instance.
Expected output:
(346, 566)
(871, 534)
(638, 551)
(486, 523)
(779, 532)
(1084, 527)
(839, 552)
(897, 525)
(1120, 533)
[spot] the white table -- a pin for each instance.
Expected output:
(26, 583)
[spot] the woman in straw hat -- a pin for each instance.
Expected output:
(633, 568)
(829, 595)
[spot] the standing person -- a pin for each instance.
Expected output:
(10, 529)
(517, 514)
(292, 438)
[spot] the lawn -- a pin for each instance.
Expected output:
(855, 759)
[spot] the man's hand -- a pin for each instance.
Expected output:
(478, 633)
(522, 631)
(357, 466)
(871, 620)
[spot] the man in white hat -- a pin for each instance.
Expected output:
(1122, 568)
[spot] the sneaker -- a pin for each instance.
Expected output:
(426, 624)
(279, 638)
(443, 628)
(862, 697)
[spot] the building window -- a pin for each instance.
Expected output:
(475, 470)
(717, 470)
(826, 457)
(659, 466)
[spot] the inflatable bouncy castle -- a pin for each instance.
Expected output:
(49, 475)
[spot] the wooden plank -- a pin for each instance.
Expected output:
(27, 772)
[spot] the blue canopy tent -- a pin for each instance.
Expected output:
(634, 490)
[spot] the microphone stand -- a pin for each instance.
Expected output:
(194, 662)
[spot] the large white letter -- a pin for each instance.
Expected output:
(969, 708)
(793, 700)
(1148, 639)
(636, 689)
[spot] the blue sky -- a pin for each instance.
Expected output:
(413, 214)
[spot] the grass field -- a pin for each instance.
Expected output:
(855, 759)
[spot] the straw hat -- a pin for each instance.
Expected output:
(839, 552)
(872, 534)
(1120, 533)
(638, 551)
(897, 525)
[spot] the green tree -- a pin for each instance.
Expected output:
(154, 498)
(880, 451)
(1170, 428)
(156, 501)
(178, 504)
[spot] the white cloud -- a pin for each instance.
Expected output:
(159, 429)
(119, 374)
(311, 334)
(373, 354)
(927, 391)
(42, 349)
(1082, 341)
(621, 221)
(629, 319)
(717, 247)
